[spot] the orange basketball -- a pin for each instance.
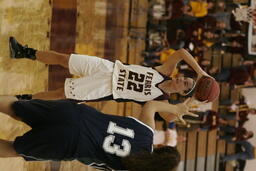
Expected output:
(207, 89)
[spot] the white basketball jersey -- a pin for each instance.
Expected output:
(135, 82)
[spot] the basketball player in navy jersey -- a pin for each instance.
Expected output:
(101, 79)
(65, 130)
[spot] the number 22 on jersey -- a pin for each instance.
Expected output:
(110, 147)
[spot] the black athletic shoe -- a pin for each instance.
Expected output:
(24, 97)
(16, 49)
(19, 51)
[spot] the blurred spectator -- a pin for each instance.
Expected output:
(248, 153)
(160, 9)
(233, 44)
(200, 7)
(240, 164)
(180, 8)
(157, 9)
(224, 18)
(153, 59)
(238, 110)
(207, 120)
(195, 34)
(239, 75)
(232, 133)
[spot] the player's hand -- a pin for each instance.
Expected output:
(201, 74)
(183, 109)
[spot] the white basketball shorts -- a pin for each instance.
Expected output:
(95, 78)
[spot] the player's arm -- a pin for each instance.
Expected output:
(168, 67)
(151, 107)
(166, 115)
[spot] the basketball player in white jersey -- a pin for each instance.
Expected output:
(101, 79)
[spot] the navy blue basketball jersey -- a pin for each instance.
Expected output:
(105, 139)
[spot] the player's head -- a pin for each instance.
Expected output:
(221, 25)
(210, 5)
(164, 158)
(249, 134)
(182, 85)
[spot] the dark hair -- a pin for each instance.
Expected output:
(190, 8)
(164, 158)
(254, 64)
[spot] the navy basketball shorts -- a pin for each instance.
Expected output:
(55, 129)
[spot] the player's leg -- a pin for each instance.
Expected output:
(7, 150)
(41, 141)
(48, 57)
(50, 95)
(6, 106)
(53, 58)
(46, 95)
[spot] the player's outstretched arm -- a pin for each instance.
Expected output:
(151, 107)
(181, 54)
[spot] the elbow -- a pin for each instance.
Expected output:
(150, 105)
(182, 53)
(182, 50)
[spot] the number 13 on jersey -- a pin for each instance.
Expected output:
(112, 148)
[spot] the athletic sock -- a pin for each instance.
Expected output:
(30, 53)
(24, 96)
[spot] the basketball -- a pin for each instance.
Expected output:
(207, 89)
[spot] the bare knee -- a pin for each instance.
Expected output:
(6, 106)
(6, 103)
(62, 58)
(65, 61)
(50, 95)
(53, 58)
(7, 149)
